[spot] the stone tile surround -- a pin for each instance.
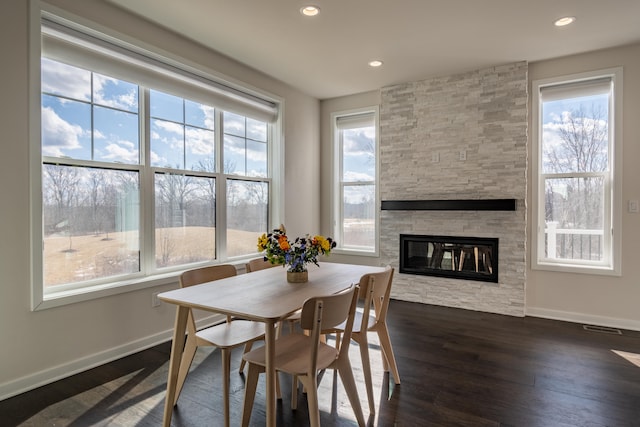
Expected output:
(423, 128)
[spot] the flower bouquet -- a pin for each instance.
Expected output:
(297, 254)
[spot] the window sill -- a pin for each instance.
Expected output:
(57, 299)
(578, 269)
(354, 252)
(72, 296)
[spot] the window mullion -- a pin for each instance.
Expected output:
(221, 189)
(574, 175)
(355, 183)
(147, 193)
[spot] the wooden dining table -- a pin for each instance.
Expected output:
(263, 296)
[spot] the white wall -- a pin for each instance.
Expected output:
(603, 300)
(37, 347)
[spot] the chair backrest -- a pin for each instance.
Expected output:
(258, 264)
(204, 275)
(324, 313)
(381, 283)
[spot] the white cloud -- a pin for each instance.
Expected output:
(124, 151)
(170, 127)
(125, 101)
(234, 144)
(257, 156)
(61, 135)
(156, 160)
(66, 80)
(357, 176)
(200, 141)
(550, 136)
(209, 116)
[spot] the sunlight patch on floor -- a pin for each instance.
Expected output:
(120, 401)
(340, 402)
(631, 357)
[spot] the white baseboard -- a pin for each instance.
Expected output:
(588, 319)
(55, 373)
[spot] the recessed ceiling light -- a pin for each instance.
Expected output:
(566, 20)
(310, 10)
(375, 63)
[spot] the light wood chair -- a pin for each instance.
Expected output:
(259, 264)
(375, 289)
(225, 336)
(303, 356)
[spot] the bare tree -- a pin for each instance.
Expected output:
(254, 206)
(97, 189)
(208, 166)
(583, 142)
(173, 193)
(173, 197)
(61, 188)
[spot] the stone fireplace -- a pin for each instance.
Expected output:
(451, 138)
(466, 258)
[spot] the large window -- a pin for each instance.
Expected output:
(355, 176)
(577, 168)
(147, 167)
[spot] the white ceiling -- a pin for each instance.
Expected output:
(326, 56)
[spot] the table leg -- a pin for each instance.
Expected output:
(270, 338)
(177, 347)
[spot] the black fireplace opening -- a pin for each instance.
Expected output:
(468, 258)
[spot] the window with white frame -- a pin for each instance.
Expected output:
(147, 166)
(577, 169)
(355, 176)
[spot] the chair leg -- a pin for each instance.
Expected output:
(278, 327)
(311, 384)
(249, 393)
(185, 363)
(278, 391)
(346, 375)
(226, 369)
(366, 368)
(387, 351)
(294, 392)
(247, 349)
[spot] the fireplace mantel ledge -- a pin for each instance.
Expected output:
(450, 205)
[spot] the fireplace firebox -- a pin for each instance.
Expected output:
(468, 258)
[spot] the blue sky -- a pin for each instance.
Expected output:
(182, 131)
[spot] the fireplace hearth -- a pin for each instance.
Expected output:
(468, 258)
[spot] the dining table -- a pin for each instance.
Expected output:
(264, 296)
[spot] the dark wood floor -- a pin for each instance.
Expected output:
(458, 368)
